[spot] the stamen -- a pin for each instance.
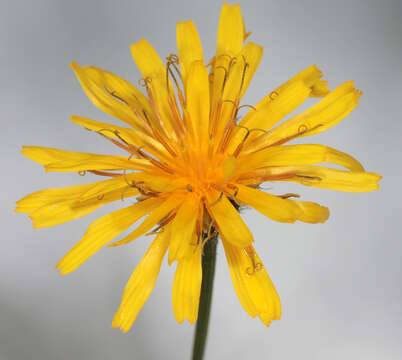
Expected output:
(246, 65)
(317, 178)
(178, 122)
(255, 266)
(235, 191)
(217, 200)
(231, 101)
(124, 191)
(144, 82)
(210, 234)
(159, 131)
(223, 68)
(172, 58)
(246, 105)
(240, 146)
(160, 228)
(142, 190)
(223, 55)
(233, 118)
(231, 63)
(289, 195)
(104, 173)
(113, 94)
(273, 95)
(82, 172)
(147, 128)
(302, 129)
(125, 147)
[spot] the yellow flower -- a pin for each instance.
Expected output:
(191, 162)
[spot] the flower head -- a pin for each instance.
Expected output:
(190, 159)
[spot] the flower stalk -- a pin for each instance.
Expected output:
(204, 310)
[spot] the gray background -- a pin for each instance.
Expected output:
(339, 282)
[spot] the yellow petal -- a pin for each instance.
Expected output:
(269, 112)
(311, 76)
(229, 44)
(265, 318)
(100, 188)
(252, 283)
(182, 228)
(229, 167)
(101, 96)
(189, 47)
(273, 207)
(328, 112)
(306, 154)
(149, 182)
(322, 177)
(55, 206)
(278, 104)
(102, 231)
(130, 136)
(154, 71)
(153, 219)
(228, 220)
(157, 181)
(311, 212)
(239, 76)
(141, 284)
(40, 198)
(187, 286)
(230, 30)
(66, 161)
(198, 103)
(63, 211)
(319, 89)
(242, 71)
(119, 88)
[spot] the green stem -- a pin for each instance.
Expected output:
(204, 310)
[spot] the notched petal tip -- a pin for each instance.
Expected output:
(74, 64)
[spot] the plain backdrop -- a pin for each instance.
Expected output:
(340, 282)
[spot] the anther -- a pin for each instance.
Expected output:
(82, 172)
